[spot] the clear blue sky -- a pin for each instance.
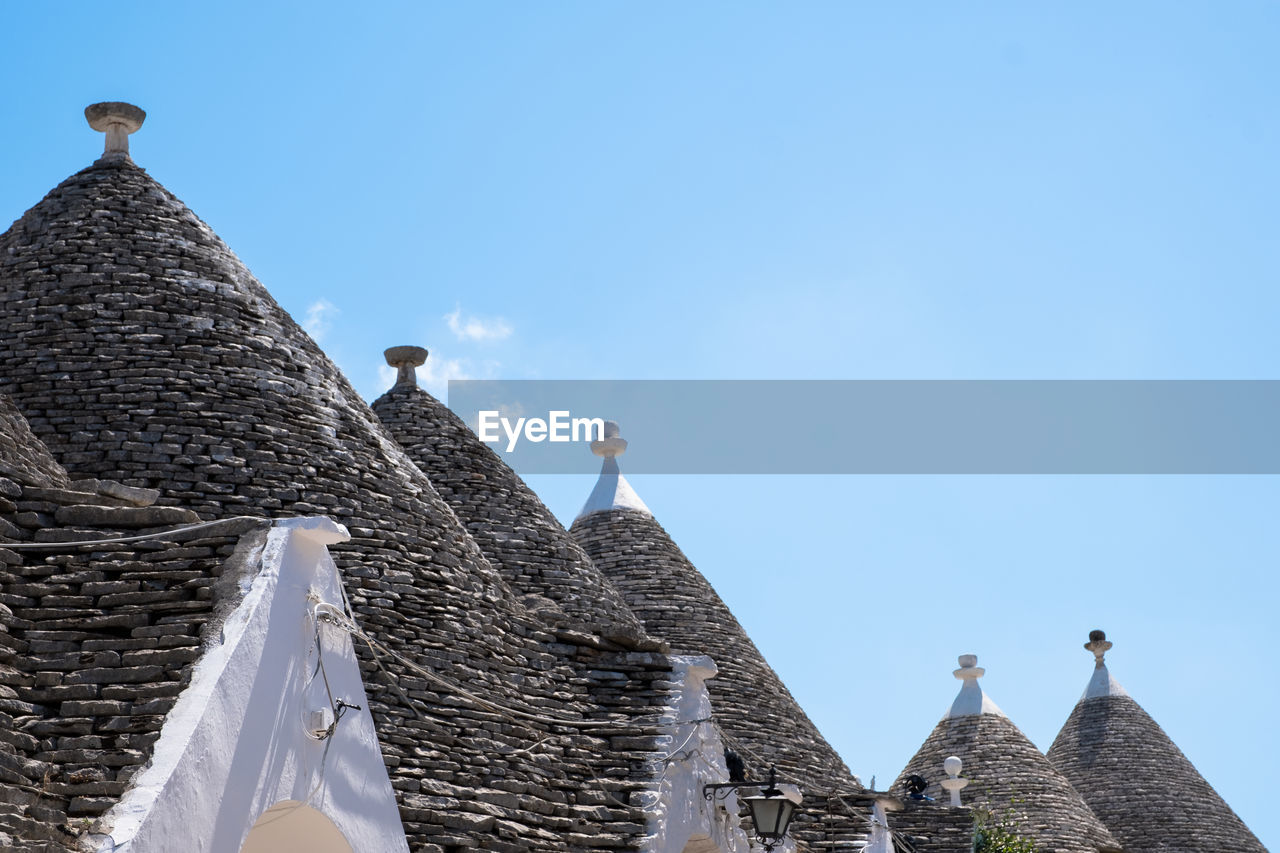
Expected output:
(760, 191)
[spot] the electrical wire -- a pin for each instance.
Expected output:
(349, 624)
(125, 540)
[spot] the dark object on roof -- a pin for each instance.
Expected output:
(915, 786)
(736, 766)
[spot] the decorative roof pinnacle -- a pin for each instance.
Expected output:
(406, 360)
(1101, 683)
(969, 668)
(612, 445)
(1099, 645)
(117, 120)
(971, 700)
(612, 491)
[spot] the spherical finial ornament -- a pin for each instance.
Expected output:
(1097, 635)
(953, 784)
(967, 660)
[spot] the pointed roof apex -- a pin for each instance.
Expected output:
(971, 700)
(406, 360)
(1136, 779)
(612, 490)
(1101, 684)
(117, 120)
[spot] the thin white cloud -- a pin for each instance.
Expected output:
(477, 328)
(319, 318)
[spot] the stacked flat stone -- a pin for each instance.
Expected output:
(23, 457)
(1006, 771)
(934, 827)
(1137, 780)
(514, 529)
(96, 641)
(142, 351)
(677, 604)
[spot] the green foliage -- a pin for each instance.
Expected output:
(998, 833)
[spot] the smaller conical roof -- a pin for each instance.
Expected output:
(513, 528)
(676, 603)
(1005, 771)
(1136, 779)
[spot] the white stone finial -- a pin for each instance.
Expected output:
(117, 120)
(953, 784)
(968, 668)
(971, 699)
(406, 360)
(1099, 645)
(612, 490)
(612, 445)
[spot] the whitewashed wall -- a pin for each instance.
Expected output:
(234, 744)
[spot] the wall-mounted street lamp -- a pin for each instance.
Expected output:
(771, 810)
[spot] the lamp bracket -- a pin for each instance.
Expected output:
(710, 791)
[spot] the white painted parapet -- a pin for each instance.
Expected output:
(248, 733)
(683, 820)
(879, 836)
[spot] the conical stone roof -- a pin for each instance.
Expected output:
(676, 603)
(140, 349)
(506, 519)
(1005, 771)
(1136, 779)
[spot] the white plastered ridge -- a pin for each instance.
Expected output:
(235, 742)
(1102, 684)
(612, 491)
(682, 818)
(971, 700)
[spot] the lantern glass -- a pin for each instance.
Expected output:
(771, 815)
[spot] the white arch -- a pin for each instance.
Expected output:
(291, 827)
(701, 844)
